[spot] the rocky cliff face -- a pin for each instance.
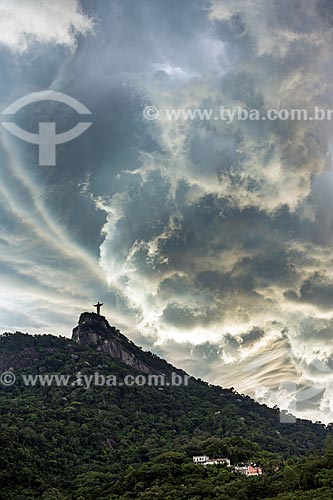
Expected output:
(94, 330)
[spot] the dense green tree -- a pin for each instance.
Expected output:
(70, 443)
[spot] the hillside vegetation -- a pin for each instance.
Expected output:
(107, 443)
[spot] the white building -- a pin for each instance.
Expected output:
(249, 470)
(205, 460)
(200, 459)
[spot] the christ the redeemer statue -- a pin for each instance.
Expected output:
(98, 306)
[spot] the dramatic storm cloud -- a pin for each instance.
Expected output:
(210, 241)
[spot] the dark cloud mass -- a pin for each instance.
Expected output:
(211, 241)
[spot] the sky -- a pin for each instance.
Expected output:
(209, 243)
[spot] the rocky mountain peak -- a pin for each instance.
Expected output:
(94, 330)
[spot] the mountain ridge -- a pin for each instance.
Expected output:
(65, 437)
(95, 330)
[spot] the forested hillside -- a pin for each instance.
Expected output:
(103, 442)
